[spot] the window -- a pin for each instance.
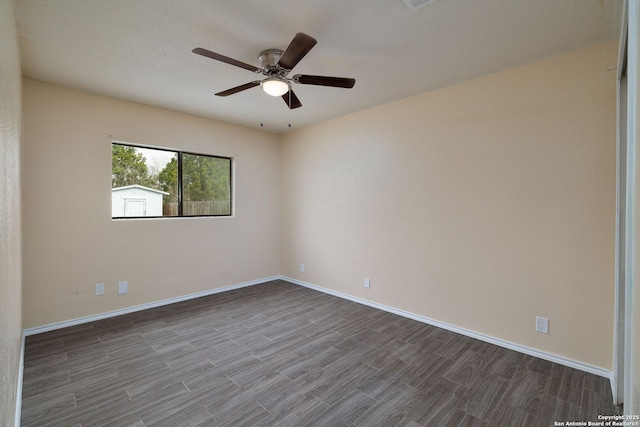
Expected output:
(155, 182)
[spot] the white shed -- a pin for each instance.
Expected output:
(136, 200)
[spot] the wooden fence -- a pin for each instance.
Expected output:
(205, 207)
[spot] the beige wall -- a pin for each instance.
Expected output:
(480, 205)
(10, 239)
(71, 242)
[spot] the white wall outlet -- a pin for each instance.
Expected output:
(367, 283)
(542, 325)
(301, 268)
(99, 289)
(123, 287)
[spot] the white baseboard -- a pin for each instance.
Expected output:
(482, 337)
(127, 310)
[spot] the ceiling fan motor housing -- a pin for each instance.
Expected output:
(269, 59)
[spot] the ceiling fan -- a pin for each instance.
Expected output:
(276, 65)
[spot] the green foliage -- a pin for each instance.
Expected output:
(128, 167)
(168, 180)
(205, 178)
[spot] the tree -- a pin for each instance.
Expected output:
(205, 178)
(168, 180)
(128, 167)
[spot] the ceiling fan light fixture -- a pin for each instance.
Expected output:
(275, 87)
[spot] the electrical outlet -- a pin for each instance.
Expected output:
(301, 268)
(367, 283)
(99, 289)
(123, 287)
(542, 325)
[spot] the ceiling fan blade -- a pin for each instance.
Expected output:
(222, 58)
(291, 100)
(238, 89)
(297, 49)
(306, 79)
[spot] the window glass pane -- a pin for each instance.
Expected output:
(206, 185)
(144, 182)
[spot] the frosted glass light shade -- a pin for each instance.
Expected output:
(275, 87)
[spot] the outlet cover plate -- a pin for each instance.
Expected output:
(123, 287)
(99, 289)
(542, 324)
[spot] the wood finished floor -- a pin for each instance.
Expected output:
(278, 354)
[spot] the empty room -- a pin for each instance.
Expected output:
(291, 213)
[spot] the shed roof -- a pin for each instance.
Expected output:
(140, 187)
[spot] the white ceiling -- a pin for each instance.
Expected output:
(140, 50)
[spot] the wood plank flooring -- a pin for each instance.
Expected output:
(278, 354)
